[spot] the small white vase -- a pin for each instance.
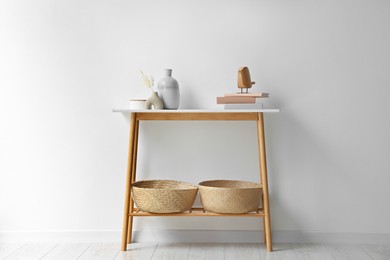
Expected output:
(168, 90)
(154, 101)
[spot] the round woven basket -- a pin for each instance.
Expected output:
(230, 196)
(163, 196)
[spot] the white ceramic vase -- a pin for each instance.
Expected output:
(168, 90)
(154, 102)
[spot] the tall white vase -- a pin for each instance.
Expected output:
(168, 90)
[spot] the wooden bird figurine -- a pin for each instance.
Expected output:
(244, 79)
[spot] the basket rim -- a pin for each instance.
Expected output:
(189, 186)
(255, 185)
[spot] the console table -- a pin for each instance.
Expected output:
(236, 115)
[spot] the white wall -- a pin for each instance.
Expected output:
(65, 64)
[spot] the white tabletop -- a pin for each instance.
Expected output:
(128, 110)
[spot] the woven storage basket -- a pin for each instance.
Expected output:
(229, 196)
(163, 196)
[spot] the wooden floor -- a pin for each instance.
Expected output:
(146, 251)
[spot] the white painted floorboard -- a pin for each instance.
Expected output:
(312, 252)
(174, 251)
(206, 251)
(8, 249)
(31, 251)
(137, 251)
(101, 251)
(243, 251)
(280, 252)
(67, 251)
(352, 252)
(171, 251)
(377, 252)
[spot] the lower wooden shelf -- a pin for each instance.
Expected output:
(197, 212)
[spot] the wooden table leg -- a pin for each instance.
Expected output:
(129, 177)
(262, 205)
(264, 181)
(134, 171)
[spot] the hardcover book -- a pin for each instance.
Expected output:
(236, 100)
(256, 95)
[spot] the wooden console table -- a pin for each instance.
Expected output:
(136, 116)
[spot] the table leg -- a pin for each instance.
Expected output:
(262, 205)
(129, 177)
(264, 181)
(134, 171)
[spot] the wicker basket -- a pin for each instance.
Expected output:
(228, 196)
(163, 196)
